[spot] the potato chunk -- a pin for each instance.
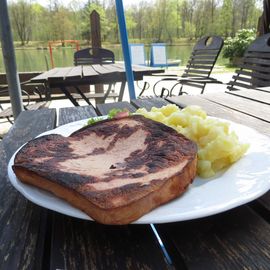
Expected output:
(218, 146)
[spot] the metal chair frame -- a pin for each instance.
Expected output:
(199, 67)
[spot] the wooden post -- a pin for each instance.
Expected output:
(95, 29)
(96, 43)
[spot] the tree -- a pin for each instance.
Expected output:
(21, 14)
(187, 18)
(225, 20)
(159, 12)
(75, 8)
(137, 13)
(103, 19)
(248, 8)
(130, 22)
(62, 24)
(40, 17)
(156, 21)
(110, 11)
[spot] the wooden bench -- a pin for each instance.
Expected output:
(34, 101)
(96, 95)
(7, 113)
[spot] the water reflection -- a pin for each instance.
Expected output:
(35, 59)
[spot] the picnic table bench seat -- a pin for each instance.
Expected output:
(8, 113)
(90, 96)
(31, 102)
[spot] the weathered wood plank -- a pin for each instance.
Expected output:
(115, 68)
(72, 114)
(265, 202)
(88, 71)
(237, 239)
(101, 69)
(104, 109)
(61, 73)
(79, 244)
(44, 76)
(28, 126)
(87, 245)
(148, 103)
(75, 72)
(22, 224)
(245, 106)
(255, 95)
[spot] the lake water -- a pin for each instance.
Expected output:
(39, 60)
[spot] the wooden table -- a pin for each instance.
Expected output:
(32, 237)
(64, 78)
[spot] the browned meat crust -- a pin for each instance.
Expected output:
(115, 170)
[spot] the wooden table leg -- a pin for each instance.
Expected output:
(122, 89)
(69, 96)
(82, 95)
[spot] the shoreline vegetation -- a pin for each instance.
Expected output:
(156, 21)
(35, 55)
(178, 23)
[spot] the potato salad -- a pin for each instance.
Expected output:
(218, 146)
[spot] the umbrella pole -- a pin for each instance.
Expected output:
(125, 47)
(9, 60)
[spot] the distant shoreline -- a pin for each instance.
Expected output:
(43, 45)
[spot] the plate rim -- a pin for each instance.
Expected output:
(77, 213)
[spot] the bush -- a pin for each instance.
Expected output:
(236, 47)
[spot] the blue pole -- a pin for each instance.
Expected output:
(125, 47)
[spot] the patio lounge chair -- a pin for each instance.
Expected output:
(137, 54)
(158, 56)
(254, 71)
(198, 69)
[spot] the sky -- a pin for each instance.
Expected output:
(67, 2)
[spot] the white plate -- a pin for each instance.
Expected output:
(246, 180)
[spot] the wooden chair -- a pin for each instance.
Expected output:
(87, 57)
(254, 71)
(101, 56)
(199, 67)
